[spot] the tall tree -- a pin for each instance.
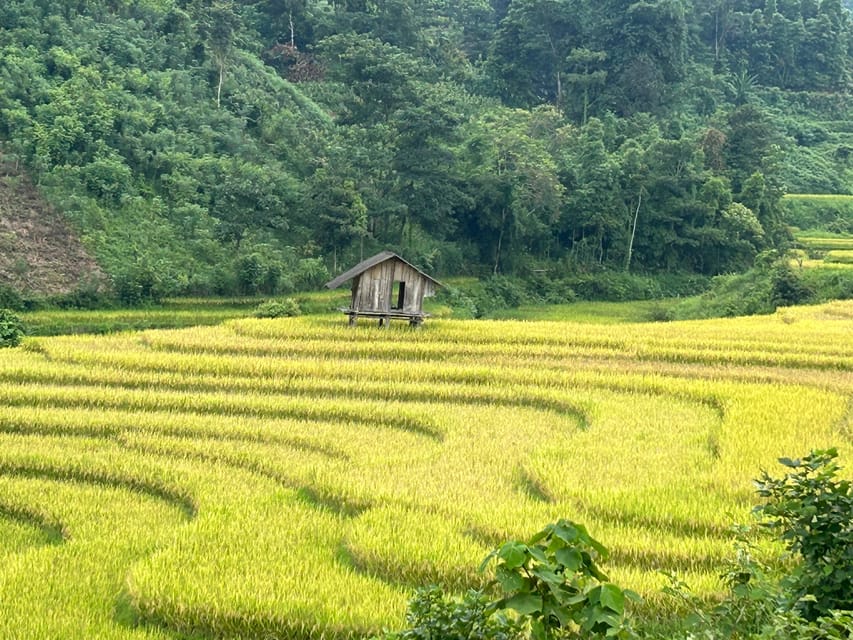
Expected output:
(426, 173)
(646, 47)
(586, 77)
(377, 78)
(531, 48)
(594, 215)
(221, 22)
(516, 193)
(751, 142)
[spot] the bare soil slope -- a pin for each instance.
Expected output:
(39, 253)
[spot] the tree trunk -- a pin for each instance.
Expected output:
(219, 86)
(633, 232)
(500, 243)
(716, 36)
(403, 228)
(559, 90)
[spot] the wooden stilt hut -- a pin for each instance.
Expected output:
(386, 286)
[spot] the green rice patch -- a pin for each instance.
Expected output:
(839, 256)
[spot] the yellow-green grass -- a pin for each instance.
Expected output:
(826, 243)
(593, 312)
(822, 264)
(20, 531)
(836, 197)
(296, 478)
(840, 256)
(57, 321)
(70, 590)
(171, 313)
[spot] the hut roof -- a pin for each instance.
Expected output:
(364, 265)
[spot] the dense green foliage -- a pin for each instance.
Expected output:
(10, 299)
(554, 583)
(286, 308)
(433, 614)
(811, 507)
(11, 329)
(828, 213)
(215, 146)
(494, 294)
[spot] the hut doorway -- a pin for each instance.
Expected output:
(398, 295)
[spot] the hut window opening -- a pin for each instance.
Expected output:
(398, 294)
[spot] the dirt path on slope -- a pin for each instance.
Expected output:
(39, 252)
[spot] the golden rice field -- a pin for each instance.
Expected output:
(295, 478)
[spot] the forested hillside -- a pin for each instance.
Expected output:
(224, 146)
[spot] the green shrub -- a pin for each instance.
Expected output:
(828, 213)
(751, 603)
(811, 509)
(272, 278)
(838, 625)
(11, 329)
(137, 284)
(679, 285)
(310, 274)
(504, 292)
(434, 616)
(549, 587)
(250, 273)
(554, 584)
(493, 293)
(772, 283)
(11, 299)
(558, 292)
(830, 284)
(462, 304)
(615, 287)
(744, 294)
(789, 287)
(278, 309)
(88, 295)
(222, 282)
(623, 287)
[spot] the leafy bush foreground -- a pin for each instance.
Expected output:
(11, 329)
(552, 587)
